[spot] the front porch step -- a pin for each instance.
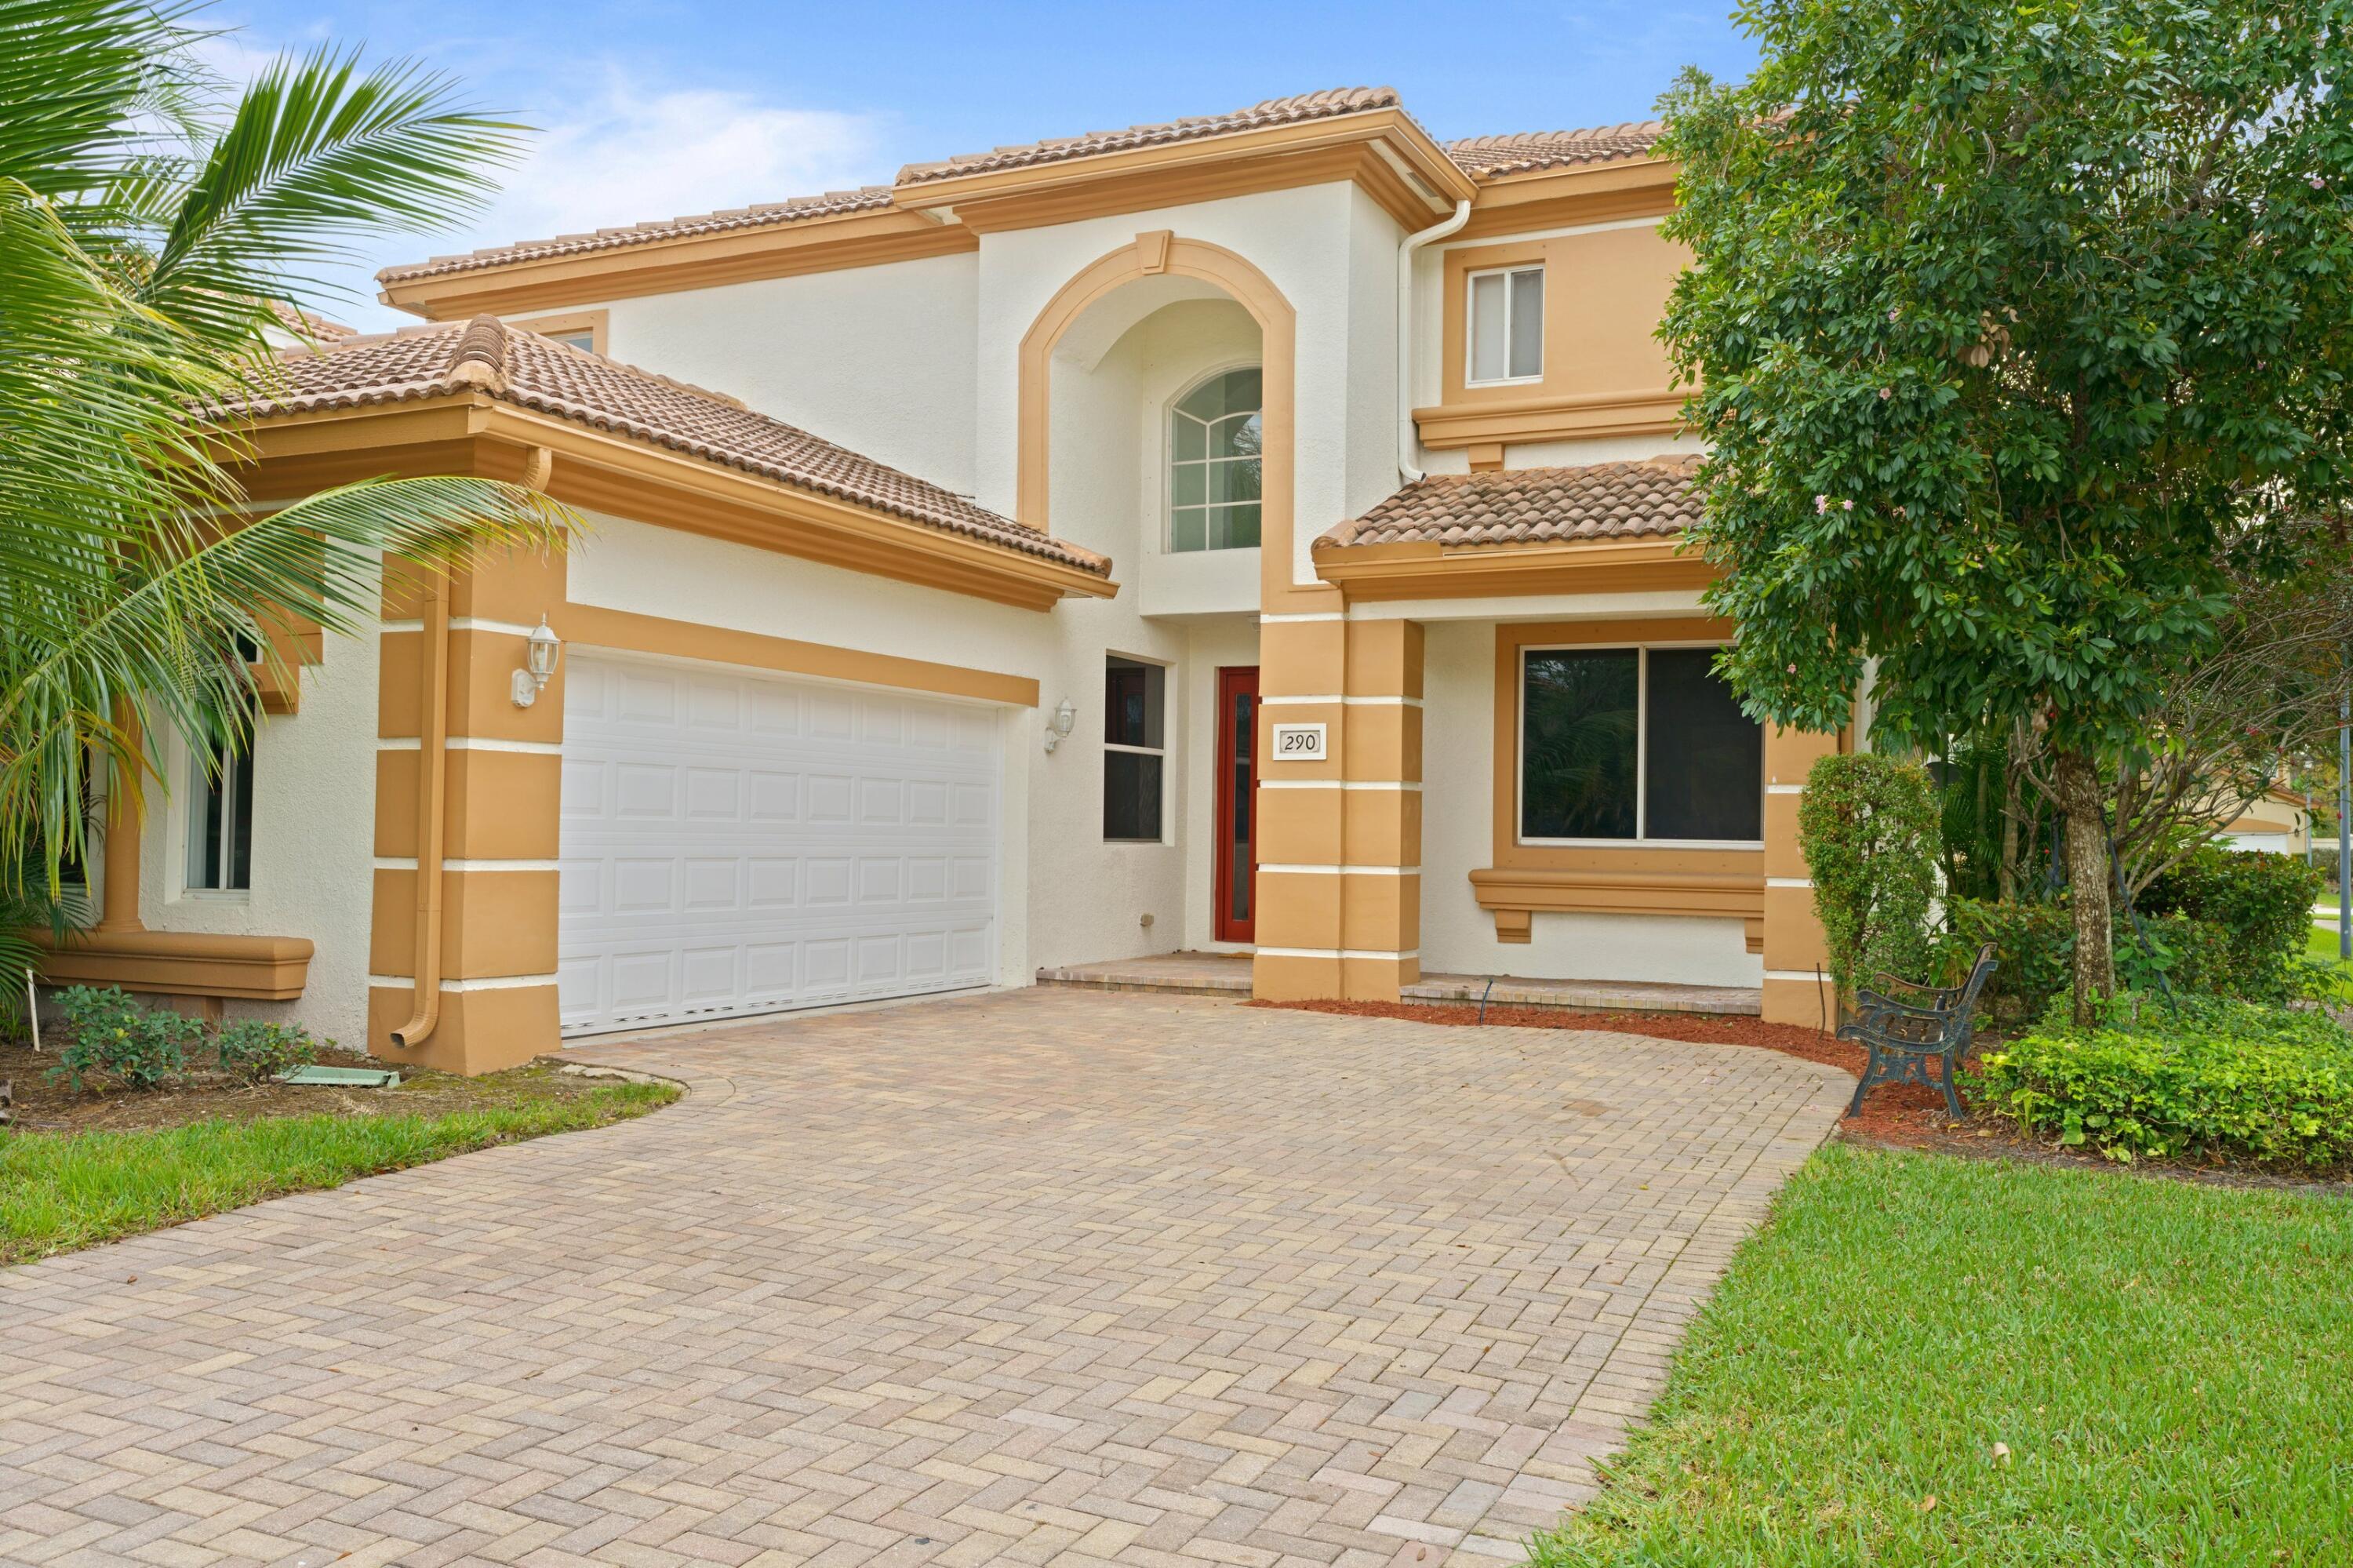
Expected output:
(1228, 974)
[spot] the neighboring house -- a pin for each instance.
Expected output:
(2280, 823)
(1254, 534)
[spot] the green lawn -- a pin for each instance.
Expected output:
(2323, 946)
(63, 1191)
(2167, 1363)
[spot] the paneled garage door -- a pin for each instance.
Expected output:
(737, 844)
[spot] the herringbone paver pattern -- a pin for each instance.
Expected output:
(1053, 1276)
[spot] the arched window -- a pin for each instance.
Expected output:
(1214, 435)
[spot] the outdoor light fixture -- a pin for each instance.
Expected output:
(1065, 720)
(539, 661)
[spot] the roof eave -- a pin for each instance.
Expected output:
(1429, 568)
(1444, 183)
(632, 477)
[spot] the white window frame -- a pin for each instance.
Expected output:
(1167, 679)
(191, 831)
(1471, 377)
(1642, 839)
(1168, 411)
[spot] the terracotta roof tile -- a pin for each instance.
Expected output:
(1488, 157)
(520, 367)
(1483, 157)
(767, 214)
(1534, 505)
(1306, 106)
(316, 328)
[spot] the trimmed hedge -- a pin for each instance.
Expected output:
(2204, 1080)
(2262, 904)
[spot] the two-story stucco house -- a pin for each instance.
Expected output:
(1257, 533)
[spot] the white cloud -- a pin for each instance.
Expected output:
(628, 156)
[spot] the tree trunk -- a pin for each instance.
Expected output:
(2013, 785)
(2077, 778)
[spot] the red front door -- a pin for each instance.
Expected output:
(1237, 841)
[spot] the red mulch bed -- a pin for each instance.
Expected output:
(1911, 1114)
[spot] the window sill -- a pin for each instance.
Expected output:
(183, 963)
(1514, 894)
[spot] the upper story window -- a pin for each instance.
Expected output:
(1636, 745)
(1215, 433)
(1506, 325)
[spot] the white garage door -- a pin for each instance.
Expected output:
(737, 844)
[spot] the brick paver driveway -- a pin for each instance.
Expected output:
(1048, 1276)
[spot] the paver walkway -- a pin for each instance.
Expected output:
(1049, 1276)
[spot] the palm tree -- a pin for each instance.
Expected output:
(153, 227)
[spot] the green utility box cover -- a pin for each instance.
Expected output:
(343, 1077)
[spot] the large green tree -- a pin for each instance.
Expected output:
(154, 224)
(2012, 323)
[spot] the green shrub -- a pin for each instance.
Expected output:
(1868, 823)
(2034, 945)
(2203, 1078)
(251, 1050)
(2262, 904)
(115, 1038)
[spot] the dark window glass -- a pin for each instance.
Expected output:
(1132, 703)
(1705, 777)
(220, 847)
(1132, 795)
(1577, 745)
(1132, 700)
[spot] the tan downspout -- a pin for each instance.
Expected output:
(432, 748)
(119, 885)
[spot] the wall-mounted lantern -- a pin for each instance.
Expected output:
(1058, 728)
(539, 665)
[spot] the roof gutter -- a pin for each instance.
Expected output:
(1409, 438)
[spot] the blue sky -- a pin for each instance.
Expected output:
(650, 110)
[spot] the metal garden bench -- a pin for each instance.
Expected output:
(1905, 1034)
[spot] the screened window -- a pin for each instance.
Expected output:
(1636, 744)
(1134, 753)
(1507, 326)
(220, 822)
(1214, 436)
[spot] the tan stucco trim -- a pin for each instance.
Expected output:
(1603, 372)
(1428, 569)
(1565, 198)
(181, 963)
(1417, 161)
(118, 909)
(597, 626)
(1147, 255)
(473, 434)
(870, 238)
(481, 1031)
(1654, 411)
(1151, 190)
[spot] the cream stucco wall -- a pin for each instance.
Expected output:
(878, 359)
(1458, 837)
(1308, 243)
(313, 842)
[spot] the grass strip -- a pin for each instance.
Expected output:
(2163, 1362)
(59, 1192)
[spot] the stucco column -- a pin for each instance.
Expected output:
(1380, 812)
(1794, 948)
(502, 781)
(1339, 882)
(119, 886)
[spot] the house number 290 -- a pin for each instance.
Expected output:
(1299, 743)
